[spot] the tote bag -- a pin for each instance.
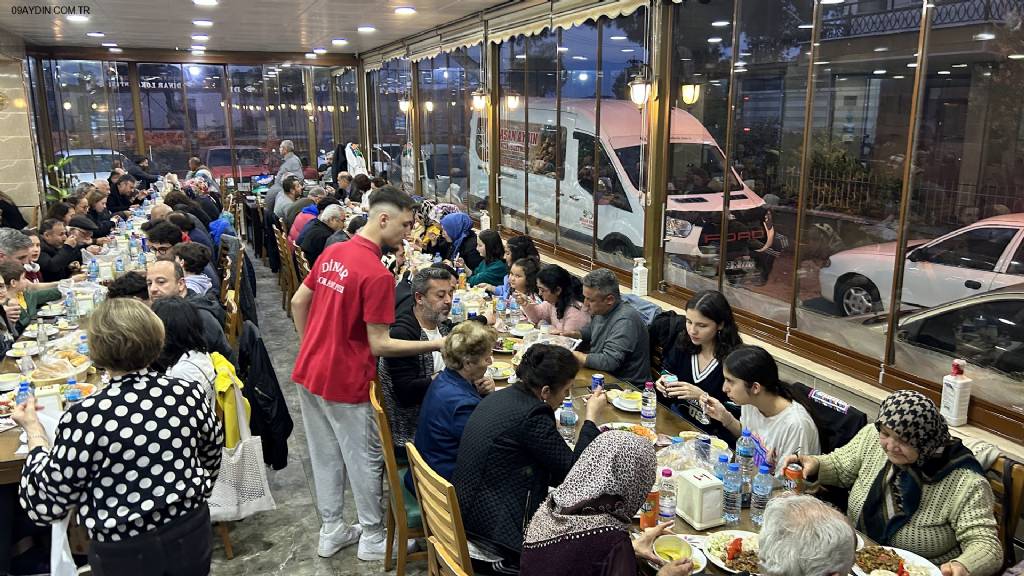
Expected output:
(241, 489)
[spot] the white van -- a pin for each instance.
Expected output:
(693, 213)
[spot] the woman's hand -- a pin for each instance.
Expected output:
(677, 568)
(679, 389)
(522, 299)
(598, 401)
(810, 465)
(25, 416)
(714, 409)
(484, 385)
(12, 310)
(954, 568)
(643, 546)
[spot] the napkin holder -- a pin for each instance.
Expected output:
(699, 498)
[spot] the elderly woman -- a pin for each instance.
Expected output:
(511, 442)
(453, 395)
(582, 528)
(138, 459)
(913, 486)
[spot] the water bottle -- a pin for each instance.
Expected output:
(83, 345)
(732, 495)
(24, 391)
(722, 467)
(457, 312)
(94, 270)
(513, 311)
(41, 337)
(437, 258)
(71, 306)
(142, 260)
(119, 266)
(762, 492)
(133, 248)
(567, 421)
(649, 407)
(745, 458)
(667, 501)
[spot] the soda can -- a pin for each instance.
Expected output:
(649, 510)
(793, 478)
(596, 380)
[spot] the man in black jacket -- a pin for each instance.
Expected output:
(165, 277)
(327, 223)
(124, 195)
(140, 171)
(57, 251)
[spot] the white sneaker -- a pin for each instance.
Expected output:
(333, 540)
(372, 546)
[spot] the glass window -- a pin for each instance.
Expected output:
(249, 123)
(163, 118)
(392, 124)
(536, 127)
(207, 132)
(286, 93)
(976, 249)
(348, 105)
(1016, 264)
(511, 134)
(323, 117)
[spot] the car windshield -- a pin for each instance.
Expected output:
(697, 169)
(249, 157)
(219, 157)
(89, 163)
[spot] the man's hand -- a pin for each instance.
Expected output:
(71, 241)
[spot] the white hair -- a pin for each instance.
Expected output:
(332, 211)
(287, 145)
(803, 536)
(317, 192)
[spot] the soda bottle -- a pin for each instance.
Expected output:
(722, 467)
(732, 495)
(667, 501)
(649, 407)
(762, 492)
(745, 458)
(94, 270)
(567, 421)
(24, 391)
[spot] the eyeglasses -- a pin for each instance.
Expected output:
(161, 250)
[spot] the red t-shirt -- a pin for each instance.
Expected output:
(351, 288)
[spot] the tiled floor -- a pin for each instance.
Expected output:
(284, 541)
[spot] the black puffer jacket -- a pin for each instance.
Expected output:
(269, 418)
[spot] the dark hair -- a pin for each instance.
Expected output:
(328, 201)
(530, 266)
(183, 331)
(554, 277)
(546, 365)
(450, 270)
(139, 159)
(126, 178)
(194, 255)
(48, 224)
(392, 197)
(493, 250)
(291, 182)
(754, 364)
(521, 247)
(130, 285)
(182, 220)
(11, 270)
(175, 198)
(714, 305)
(59, 211)
(378, 182)
(179, 272)
(356, 224)
(165, 232)
(421, 281)
(362, 182)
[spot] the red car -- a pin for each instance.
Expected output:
(251, 161)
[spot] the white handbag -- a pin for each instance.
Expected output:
(241, 489)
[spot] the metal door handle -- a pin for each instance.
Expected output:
(973, 284)
(575, 196)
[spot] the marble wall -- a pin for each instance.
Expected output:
(19, 172)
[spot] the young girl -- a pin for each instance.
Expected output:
(32, 272)
(492, 268)
(696, 362)
(562, 300)
(516, 248)
(780, 424)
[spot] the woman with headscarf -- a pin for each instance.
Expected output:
(582, 528)
(459, 240)
(916, 487)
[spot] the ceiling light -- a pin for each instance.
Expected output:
(912, 65)
(286, 65)
(583, 76)
(311, 55)
(405, 10)
(959, 66)
(822, 62)
(366, 29)
(520, 56)
(339, 41)
(1016, 56)
(116, 50)
(95, 34)
(627, 50)
(720, 23)
(944, 72)
(198, 52)
(805, 26)
(878, 72)
(741, 70)
(832, 1)
(78, 18)
(200, 37)
(202, 23)
(109, 44)
(882, 49)
(616, 37)
(195, 70)
(562, 49)
(984, 36)
(319, 50)
(205, 2)
(898, 77)
(67, 105)
(714, 40)
(197, 47)
(579, 57)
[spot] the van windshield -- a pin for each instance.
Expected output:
(697, 169)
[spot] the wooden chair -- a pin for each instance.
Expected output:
(439, 506)
(233, 319)
(286, 272)
(301, 264)
(1006, 476)
(226, 280)
(403, 515)
(440, 563)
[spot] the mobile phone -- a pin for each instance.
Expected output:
(611, 386)
(668, 376)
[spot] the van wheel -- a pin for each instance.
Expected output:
(857, 295)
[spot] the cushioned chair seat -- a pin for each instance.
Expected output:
(413, 517)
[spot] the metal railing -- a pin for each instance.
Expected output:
(864, 18)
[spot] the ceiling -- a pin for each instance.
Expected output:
(238, 25)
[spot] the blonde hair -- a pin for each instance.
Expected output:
(467, 342)
(124, 335)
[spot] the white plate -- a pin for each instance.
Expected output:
(622, 405)
(493, 372)
(50, 330)
(30, 351)
(44, 313)
(909, 559)
(700, 561)
(714, 558)
(518, 333)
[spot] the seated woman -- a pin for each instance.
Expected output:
(511, 453)
(915, 487)
(458, 241)
(779, 423)
(582, 528)
(492, 269)
(696, 361)
(99, 214)
(139, 483)
(561, 303)
(13, 274)
(453, 395)
(62, 211)
(185, 354)
(516, 248)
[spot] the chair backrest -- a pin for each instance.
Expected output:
(226, 280)
(232, 319)
(837, 421)
(390, 463)
(440, 562)
(1006, 476)
(439, 507)
(301, 263)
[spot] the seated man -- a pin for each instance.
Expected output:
(83, 228)
(404, 381)
(616, 338)
(58, 251)
(129, 285)
(195, 259)
(165, 277)
(315, 195)
(823, 536)
(315, 238)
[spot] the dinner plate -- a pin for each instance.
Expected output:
(700, 561)
(49, 313)
(500, 371)
(628, 427)
(499, 349)
(50, 330)
(520, 333)
(621, 404)
(727, 536)
(909, 560)
(23, 352)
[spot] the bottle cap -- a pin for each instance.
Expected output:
(764, 469)
(723, 458)
(734, 467)
(958, 367)
(666, 472)
(746, 432)
(649, 384)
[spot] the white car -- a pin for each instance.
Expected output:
(983, 256)
(88, 164)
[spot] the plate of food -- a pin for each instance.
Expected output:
(23, 349)
(733, 551)
(672, 547)
(500, 370)
(627, 401)
(63, 324)
(58, 368)
(9, 381)
(522, 329)
(889, 561)
(32, 330)
(506, 345)
(51, 311)
(630, 427)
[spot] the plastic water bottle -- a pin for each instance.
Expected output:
(722, 467)
(667, 501)
(41, 337)
(649, 407)
(457, 311)
(83, 345)
(745, 458)
(567, 421)
(71, 306)
(119, 266)
(142, 260)
(762, 492)
(24, 391)
(133, 248)
(94, 270)
(732, 494)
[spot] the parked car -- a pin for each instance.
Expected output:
(983, 256)
(251, 160)
(88, 164)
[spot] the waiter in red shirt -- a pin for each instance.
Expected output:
(342, 312)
